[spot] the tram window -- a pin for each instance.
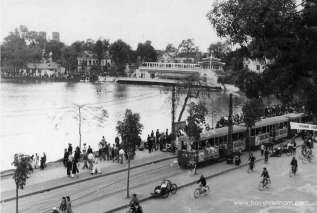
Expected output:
(264, 129)
(258, 131)
(252, 132)
(235, 136)
(281, 126)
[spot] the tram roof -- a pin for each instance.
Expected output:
(221, 132)
(294, 115)
(271, 121)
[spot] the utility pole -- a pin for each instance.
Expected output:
(173, 110)
(230, 145)
(79, 122)
(128, 179)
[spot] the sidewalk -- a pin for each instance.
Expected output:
(55, 175)
(118, 202)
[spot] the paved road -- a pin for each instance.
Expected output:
(96, 189)
(237, 192)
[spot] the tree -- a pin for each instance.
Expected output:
(146, 52)
(16, 52)
(120, 54)
(195, 120)
(170, 48)
(187, 48)
(274, 30)
(21, 173)
(130, 130)
(218, 50)
(252, 111)
(56, 48)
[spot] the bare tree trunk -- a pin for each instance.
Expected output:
(17, 197)
(184, 105)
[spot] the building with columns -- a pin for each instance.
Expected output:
(87, 60)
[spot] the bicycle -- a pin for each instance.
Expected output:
(201, 191)
(293, 171)
(264, 184)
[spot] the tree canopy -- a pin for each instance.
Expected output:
(252, 110)
(130, 130)
(195, 120)
(22, 169)
(146, 52)
(281, 32)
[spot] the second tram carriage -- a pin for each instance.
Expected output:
(213, 144)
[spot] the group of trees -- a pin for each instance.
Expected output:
(23, 46)
(284, 33)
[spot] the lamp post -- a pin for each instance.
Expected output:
(79, 122)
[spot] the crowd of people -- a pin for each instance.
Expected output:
(37, 162)
(269, 111)
(65, 206)
(281, 109)
(107, 152)
(159, 140)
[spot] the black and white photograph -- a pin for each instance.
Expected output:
(151, 106)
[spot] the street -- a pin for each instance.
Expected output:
(237, 191)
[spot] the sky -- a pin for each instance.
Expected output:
(133, 21)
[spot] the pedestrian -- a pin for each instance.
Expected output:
(96, 168)
(69, 164)
(43, 161)
(91, 159)
(62, 206)
(89, 150)
(157, 135)
(85, 157)
(68, 205)
(152, 134)
(75, 170)
(100, 150)
(65, 159)
(70, 148)
(77, 154)
(121, 154)
(262, 149)
(107, 151)
(266, 155)
(84, 150)
(113, 153)
(294, 147)
(37, 159)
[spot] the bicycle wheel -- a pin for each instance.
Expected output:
(196, 193)
(173, 188)
(260, 186)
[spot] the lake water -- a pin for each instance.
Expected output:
(43, 117)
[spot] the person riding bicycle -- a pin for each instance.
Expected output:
(203, 182)
(135, 204)
(134, 200)
(294, 165)
(266, 177)
(251, 161)
(162, 187)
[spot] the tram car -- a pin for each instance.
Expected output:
(213, 145)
